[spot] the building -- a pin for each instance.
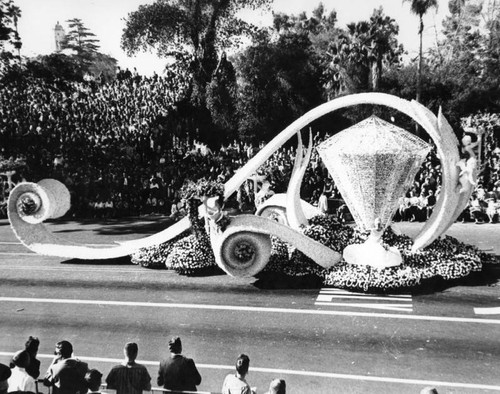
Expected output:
(59, 36)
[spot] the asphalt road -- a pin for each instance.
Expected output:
(318, 340)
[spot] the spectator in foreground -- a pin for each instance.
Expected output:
(5, 373)
(237, 383)
(94, 381)
(178, 373)
(277, 386)
(66, 374)
(31, 346)
(129, 377)
(20, 381)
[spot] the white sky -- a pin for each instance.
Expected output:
(105, 19)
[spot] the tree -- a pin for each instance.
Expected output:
(321, 30)
(360, 55)
(9, 36)
(84, 58)
(420, 8)
(80, 38)
(193, 32)
(279, 81)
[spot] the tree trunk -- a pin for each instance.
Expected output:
(420, 61)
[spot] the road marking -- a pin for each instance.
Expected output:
(299, 373)
(83, 269)
(487, 311)
(254, 309)
(344, 298)
(10, 243)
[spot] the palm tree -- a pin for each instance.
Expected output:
(14, 12)
(420, 8)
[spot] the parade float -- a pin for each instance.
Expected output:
(373, 164)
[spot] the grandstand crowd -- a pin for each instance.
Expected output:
(117, 148)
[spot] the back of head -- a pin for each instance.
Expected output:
(32, 344)
(64, 348)
(131, 349)
(93, 379)
(428, 390)
(242, 364)
(21, 359)
(277, 386)
(175, 345)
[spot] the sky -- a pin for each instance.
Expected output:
(105, 18)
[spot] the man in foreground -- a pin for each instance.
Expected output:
(177, 372)
(129, 377)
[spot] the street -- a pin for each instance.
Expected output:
(320, 340)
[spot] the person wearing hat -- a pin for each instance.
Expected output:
(177, 372)
(277, 386)
(66, 374)
(5, 374)
(19, 379)
(129, 377)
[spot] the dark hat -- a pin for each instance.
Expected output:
(5, 372)
(21, 359)
(175, 345)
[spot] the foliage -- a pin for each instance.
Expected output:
(359, 56)
(196, 35)
(279, 81)
(9, 36)
(321, 30)
(80, 38)
(55, 66)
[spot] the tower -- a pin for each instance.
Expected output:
(59, 35)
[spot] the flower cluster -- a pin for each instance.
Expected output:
(201, 188)
(279, 256)
(244, 251)
(191, 255)
(445, 258)
(155, 256)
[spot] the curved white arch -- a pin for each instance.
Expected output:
(445, 141)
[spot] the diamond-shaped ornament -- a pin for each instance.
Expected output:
(373, 164)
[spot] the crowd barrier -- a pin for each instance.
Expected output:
(41, 389)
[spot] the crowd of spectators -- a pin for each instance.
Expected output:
(67, 374)
(121, 152)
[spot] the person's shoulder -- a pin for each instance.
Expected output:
(117, 367)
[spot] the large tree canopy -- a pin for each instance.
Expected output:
(196, 34)
(202, 29)
(9, 37)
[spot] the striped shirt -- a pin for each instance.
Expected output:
(129, 379)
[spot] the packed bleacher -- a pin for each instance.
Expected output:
(117, 148)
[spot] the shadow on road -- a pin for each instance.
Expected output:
(125, 260)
